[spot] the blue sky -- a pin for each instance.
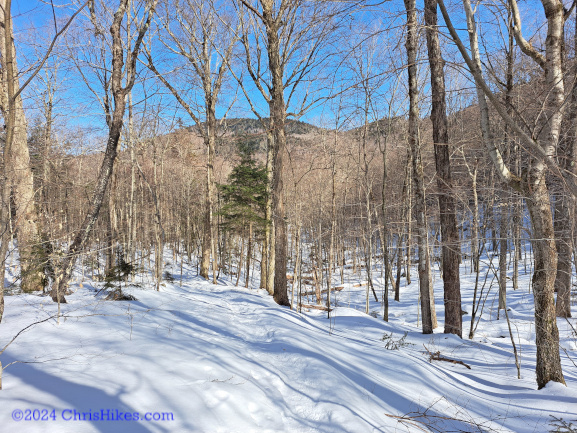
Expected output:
(384, 52)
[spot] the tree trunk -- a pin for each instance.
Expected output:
(269, 229)
(565, 208)
(277, 125)
(405, 216)
(385, 239)
(548, 365)
(131, 220)
(451, 247)
(248, 256)
(18, 173)
(207, 234)
(545, 257)
(419, 187)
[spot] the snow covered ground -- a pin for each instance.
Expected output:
(227, 359)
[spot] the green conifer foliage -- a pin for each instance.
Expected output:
(244, 196)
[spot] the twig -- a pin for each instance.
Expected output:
(436, 356)
(316, 307)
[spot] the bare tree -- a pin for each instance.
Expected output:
(418, 176)
(126, 44)
(450, 244)
(564, 202)
(204, 38)
(16, 168)
(532, 183)
(283, 43)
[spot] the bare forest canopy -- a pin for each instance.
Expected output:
(284, 138)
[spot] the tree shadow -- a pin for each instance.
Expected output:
(74, 396)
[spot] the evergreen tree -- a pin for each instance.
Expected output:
(244, 195)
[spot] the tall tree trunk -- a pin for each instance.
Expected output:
(269, 229)
(405, 217)
(385, 238)
(419, 187)
(475, 229)
(277, 124)
(333, 229)
(131, 220)
(503, 244)
(548, 365)
(207, 233)
(451, 247)
(18, 173)
(565, 208)
(297, 273)
(544, 249)
(121, 68)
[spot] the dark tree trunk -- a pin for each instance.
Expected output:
(451, 247)
(420, 209)
(546, 332)
(277, 124)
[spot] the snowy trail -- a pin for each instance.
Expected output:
(224, 359)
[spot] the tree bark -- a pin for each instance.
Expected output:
(565, 207)
(419, 187)
(451, 247)
(277, 109)
(545, 257)
(248, 255)
(18, 173)
(269, 229)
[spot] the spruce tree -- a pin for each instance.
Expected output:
(244, 195)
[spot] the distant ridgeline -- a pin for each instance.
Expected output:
(241, 126)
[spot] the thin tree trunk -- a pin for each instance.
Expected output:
(333, 228)
(240, 261)
(207, 234)
(269, 230)
(419, 187)
(405, 216)
(385, 236)
(131, 247)
(503, 245)
(248, 255)
(475, 231)
(297, 274)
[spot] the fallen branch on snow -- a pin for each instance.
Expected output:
(316, 307)
(436, 356)
(334, 289)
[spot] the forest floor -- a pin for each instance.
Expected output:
(228, 359)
